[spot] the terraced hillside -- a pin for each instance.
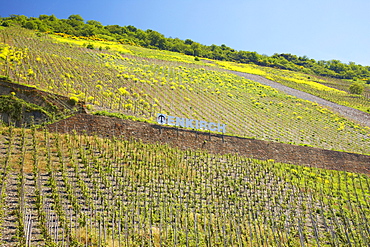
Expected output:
(349, 112)
(142, 82)
(78, 190)
(333, 90)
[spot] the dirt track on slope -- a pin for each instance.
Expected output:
(348, 112)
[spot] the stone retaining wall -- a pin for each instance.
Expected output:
(215, 143)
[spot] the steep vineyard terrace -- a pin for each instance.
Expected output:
(215, 143)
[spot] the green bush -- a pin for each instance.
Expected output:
(90, 46)
(73, 100)
(356, 88)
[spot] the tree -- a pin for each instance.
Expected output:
(43, 17)
(336, 66)
(53, 18)
(156, 39)
(75, 18)
(356, 88)
(188, 41)
(19, 18)
(94, 23)
(197, 49)
(177, 45)
(114, 29)
(88, 30)
(30, 25)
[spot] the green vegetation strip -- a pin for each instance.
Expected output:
(122, 116)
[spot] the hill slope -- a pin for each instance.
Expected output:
(144, 82)
(80, 190)
(348, 112)
(75, 26)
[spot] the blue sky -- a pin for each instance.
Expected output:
(319, 29)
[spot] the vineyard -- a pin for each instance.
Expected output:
(142, 82)
(79, 190)
(333, 90)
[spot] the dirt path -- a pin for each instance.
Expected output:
(348, 112)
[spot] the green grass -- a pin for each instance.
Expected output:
(122, 116)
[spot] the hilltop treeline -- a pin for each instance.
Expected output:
(75, 25)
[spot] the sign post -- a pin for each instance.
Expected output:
(190, 123)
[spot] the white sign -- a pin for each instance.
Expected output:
(190, 123)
